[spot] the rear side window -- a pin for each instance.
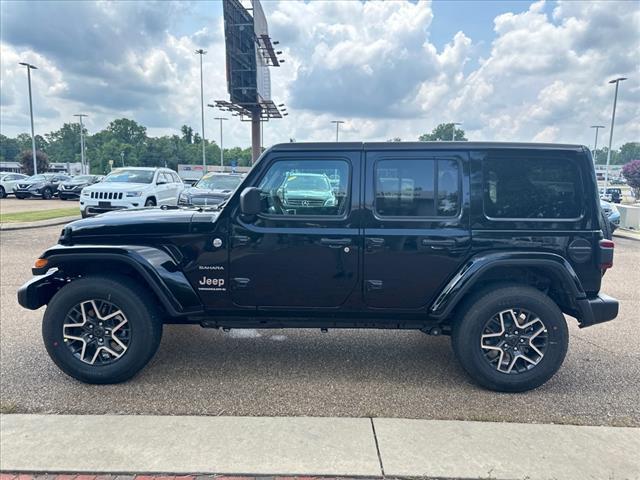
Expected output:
(417, 188)
(536, 188)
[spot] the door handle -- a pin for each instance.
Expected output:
(239, 240)
(438, 243)
(374, 243)
(335, 242)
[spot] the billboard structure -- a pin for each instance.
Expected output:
(249, 55)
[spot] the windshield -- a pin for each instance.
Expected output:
(130, 176)
(82, 179)
(37, 178)
(317, 184)
(219, 182)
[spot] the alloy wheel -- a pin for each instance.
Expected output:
(96, 332)
(514, 341)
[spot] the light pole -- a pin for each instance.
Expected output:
(33, 135)
(453, 130)
(337, 122)
(202, 52)
(595, 144)
(613, 119)
(122, 158)
(80, 116)
(221, 144)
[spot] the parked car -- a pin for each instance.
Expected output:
(8, 181)
(212, 189)
(303, 192)
(131, 187)
(490, 243)
(72, 188)
(44, 186)
(613, 195)
(612, 214)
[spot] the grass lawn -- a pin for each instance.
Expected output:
(38, 215)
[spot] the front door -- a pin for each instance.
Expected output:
(303, 249)
(416, 227)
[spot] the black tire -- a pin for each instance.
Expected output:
(61, 197)
(138, 306)
(480, 308)
(47, 194)
(84, 214)
(151, 202)
(3, 194)
(20, 197)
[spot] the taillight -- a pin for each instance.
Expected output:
(606, 254)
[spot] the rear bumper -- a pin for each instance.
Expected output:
(599, 309)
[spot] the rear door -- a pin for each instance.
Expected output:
(416, 231)
(302, 251)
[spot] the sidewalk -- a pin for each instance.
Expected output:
(353, 447)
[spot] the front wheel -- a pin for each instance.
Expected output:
(510, 338)
(47, 194)
(3, 194)
(150, 202)
(101, 329)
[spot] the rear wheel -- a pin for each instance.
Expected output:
(510, 338)
(101, 329)
(3, 194)
(47, 194)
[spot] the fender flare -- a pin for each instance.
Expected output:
(470, 273)
(159, 270)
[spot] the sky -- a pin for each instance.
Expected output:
(507, 70)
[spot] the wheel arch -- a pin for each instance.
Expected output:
(151, 267)
(547, 272)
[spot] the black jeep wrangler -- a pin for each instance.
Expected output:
(490, 243)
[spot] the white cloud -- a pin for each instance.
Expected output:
(369, 63)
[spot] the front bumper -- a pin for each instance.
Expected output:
(93, 207)
(599, 309)
(28, 192)
(39, 290)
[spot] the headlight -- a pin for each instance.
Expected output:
(85, 193)
(134, 194)
(184, 198)
(330, 202)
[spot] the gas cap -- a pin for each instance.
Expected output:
(580, 250)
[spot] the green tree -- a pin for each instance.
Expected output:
(64, 144)
(24, 142)
(601, 156)
(9, 148)
(628, 151)
(187, 133)
(26, 160)
(127, 131)
(443, 132)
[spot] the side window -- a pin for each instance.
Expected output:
(547, 188)
(417, 188)
(306, 187)
(163, 177)
(176, 178)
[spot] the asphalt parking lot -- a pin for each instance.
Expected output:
(309, 373)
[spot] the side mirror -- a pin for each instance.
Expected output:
(251, 201)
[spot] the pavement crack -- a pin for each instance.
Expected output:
(375, 439)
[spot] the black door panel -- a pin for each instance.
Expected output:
(408, 259)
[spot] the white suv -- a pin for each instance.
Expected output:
(131, 187)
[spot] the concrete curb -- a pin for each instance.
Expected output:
(312, 446)
(629, 235)
(42, 223)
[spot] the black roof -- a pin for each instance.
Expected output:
(311, 146)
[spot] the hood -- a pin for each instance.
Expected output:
(205, 192)
(121, 223)
(307, 194)
(118, 186)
